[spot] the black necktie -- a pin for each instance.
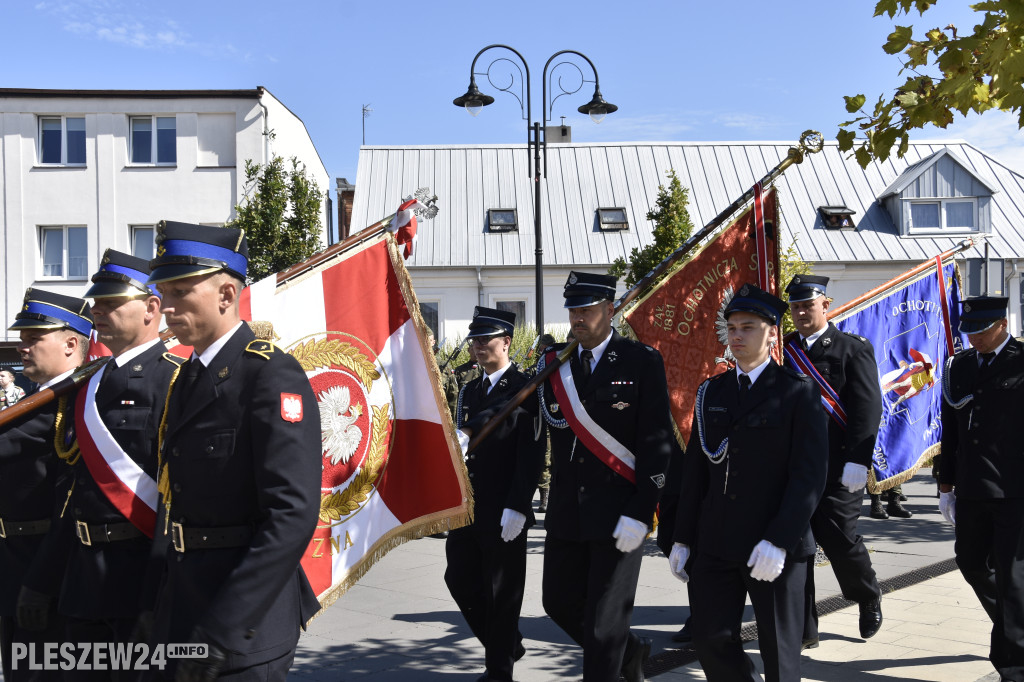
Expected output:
(744, 386)
(192, 370)
(486, 385)
(987, 358)
(585, 357)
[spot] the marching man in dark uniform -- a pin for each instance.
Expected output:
(981, 475)
(112, 510)
(611, 436)
(753, 472)
(54, 341)
(843, 367)
(487, 560)
(242, 458)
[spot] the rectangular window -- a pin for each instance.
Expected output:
(142, 241)
(62, 140)
(944, 215)
(517, 307)
(149, 148)
(612, 219)
(502, 220)
(64, 252)
(429, 311)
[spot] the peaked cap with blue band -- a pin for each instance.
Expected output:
(981, 312)
(185, 250)
(46, 310)
(584, 289)
(491, 322)
(121, 274)
(806, 287)
(752, 299)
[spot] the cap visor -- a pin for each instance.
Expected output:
(36, 324)
(583, 301)
(977, 326)
(167, 273)
(483, 332)
(109, 289)
(768, 317)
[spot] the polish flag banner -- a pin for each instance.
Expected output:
(392, 466)
(403, 225)
(683, 315)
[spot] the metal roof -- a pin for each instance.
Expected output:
(469, 179)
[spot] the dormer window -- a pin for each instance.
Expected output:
(943, 215)
(612, 219)
(837, 217)
(502, 220)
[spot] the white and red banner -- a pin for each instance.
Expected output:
(392, 467)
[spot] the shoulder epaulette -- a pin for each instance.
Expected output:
(174, 359)
(264, 349)
(855, 336)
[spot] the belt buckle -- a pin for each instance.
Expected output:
(3, 529)
(178, 537)
(82, 531)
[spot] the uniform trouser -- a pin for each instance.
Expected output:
(834, 524)
(275, 670)
(11, 634)
(990, 554)
(716, 604)
(101, 630)
(588, 590)
(487, 580)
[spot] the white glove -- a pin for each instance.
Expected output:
(463, 442)
(855, 476)
(677, 559)
(629, 534)
(947, 506)
(766, 561)
(512, 523)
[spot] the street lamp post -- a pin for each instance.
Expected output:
(597, 108)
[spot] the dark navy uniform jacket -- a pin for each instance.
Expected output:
(775, 464)
(235, 460)
(982, 448)
(106, 580)
(505, 469)
(627, 396)
(847, 362)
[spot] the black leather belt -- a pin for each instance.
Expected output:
(190, 538)
(9, 528)
(89, 534)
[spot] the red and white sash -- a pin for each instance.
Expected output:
(614, 454)
(130, 489)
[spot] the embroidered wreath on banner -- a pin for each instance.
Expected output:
(329, 352)
(342, 503)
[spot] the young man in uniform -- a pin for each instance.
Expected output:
(753, 472)
(242, 455)
(844, 365)
(981, 476)
(486, 572)
(54, 332)
(611, 436)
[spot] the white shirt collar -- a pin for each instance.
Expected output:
(496, 377)
(210, 353)
(597, 350)
(123, 359)
(754, 373)
(59, 377)
(999, 349)
(809, 340)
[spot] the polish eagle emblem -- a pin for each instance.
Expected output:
(340, 436)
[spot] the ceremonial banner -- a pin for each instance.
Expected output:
(913, 328)
(392, 467)
(682, 316)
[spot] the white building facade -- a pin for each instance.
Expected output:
(86, 170)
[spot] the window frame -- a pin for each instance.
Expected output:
(607, 225)
(63, 163)
(440, 320)
(501, 227)
(154, 146)
(65, 275)
(134, 229)
(942, 229)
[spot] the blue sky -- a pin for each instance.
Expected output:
(679, 70)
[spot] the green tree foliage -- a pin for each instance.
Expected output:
(790, 264)
(280, 215)
(672, 227)
(947, 73)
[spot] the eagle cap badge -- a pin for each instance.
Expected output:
(291, 407)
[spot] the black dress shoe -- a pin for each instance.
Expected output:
(633, 666)
(870, 618)
(811, 643)
(683, 636)
(895, 509)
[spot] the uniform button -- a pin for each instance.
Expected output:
(582, 488)
(735, 451)
(732, 496)
(471, 474)
(78, 511)
(209, 449)
(122, 422)
(175, 452)
(177, 488)
(978, 392)
(472, 456)
(975, 441)
(250, 633)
